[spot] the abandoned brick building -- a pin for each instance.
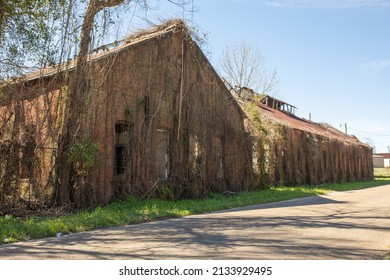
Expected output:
(165, 124)
(163, 120)
(288, 150)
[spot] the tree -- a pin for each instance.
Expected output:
(244, 66)
(74, 134)
(27, 28)
(35, 34)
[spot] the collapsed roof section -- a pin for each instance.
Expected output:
(278, 104)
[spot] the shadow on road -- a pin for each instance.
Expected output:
(195, 237)
(312, 200)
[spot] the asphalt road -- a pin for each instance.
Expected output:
(341, 225)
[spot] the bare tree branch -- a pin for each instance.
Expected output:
(244, 66)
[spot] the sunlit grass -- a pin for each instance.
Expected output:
(133, 210)
(382, 173)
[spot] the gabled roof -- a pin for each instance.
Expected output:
(170, 26)
(140, 36)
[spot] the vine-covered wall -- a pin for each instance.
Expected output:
(178, 114)
(287, 150)
(31, 117)
(159, 123)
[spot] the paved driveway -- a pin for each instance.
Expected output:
(341, 225)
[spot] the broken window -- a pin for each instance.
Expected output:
(121, 146)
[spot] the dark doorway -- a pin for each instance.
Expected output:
(121, 146)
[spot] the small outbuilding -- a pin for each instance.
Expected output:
(381, 160)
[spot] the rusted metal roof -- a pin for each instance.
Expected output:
(273, 115)
(307, 125)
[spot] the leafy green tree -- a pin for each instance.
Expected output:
(27, 33)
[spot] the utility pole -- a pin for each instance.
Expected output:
(345, 127)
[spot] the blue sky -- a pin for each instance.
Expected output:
(332, 56)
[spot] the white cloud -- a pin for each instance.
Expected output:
(378, 65)
(328, 3)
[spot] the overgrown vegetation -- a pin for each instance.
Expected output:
(35, 34)
(291, 151)
(134, 210)
(84, 156)
(27, 32)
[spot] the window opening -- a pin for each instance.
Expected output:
(121, 146)
(162, 154)
(255, 157)
(195, 159)
(324, 158)
(220, 157)
(146, 104)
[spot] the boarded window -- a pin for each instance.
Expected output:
(255, 157)
(220, 149)
(121, 146)
(146, 105)
(195, 156)
(324, 159)
(28, 159)
(162, 154)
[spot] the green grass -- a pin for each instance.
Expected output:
(382, 173)
(133, 210)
